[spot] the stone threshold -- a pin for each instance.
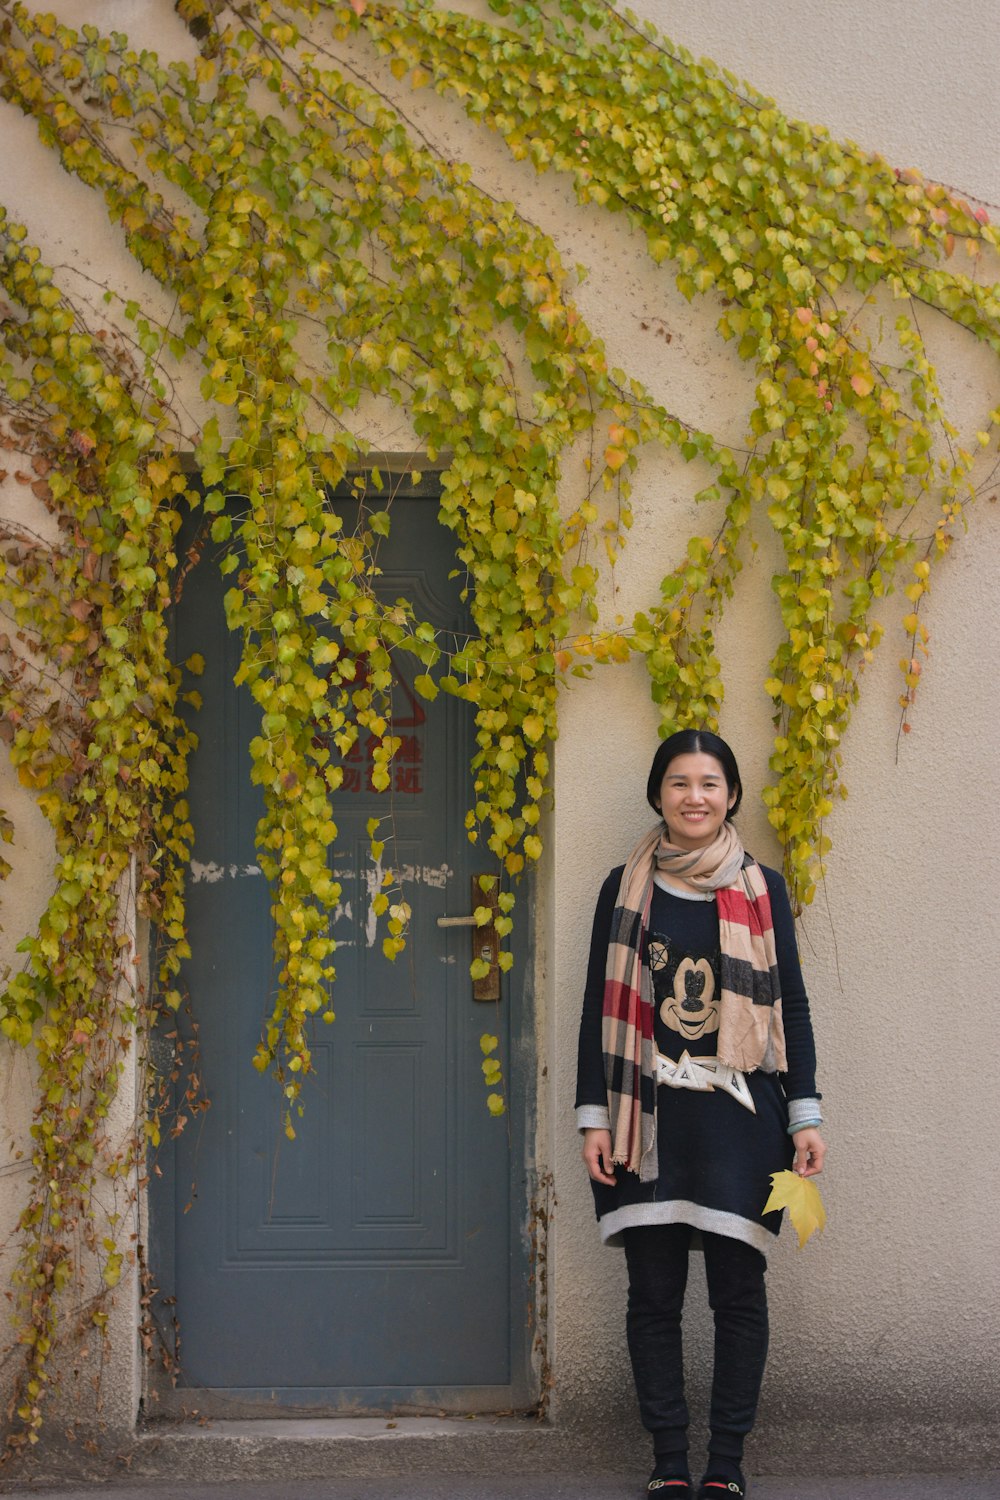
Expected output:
(349, 1447)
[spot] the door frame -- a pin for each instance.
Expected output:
(528, 1198)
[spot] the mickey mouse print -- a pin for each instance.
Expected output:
(686, 989)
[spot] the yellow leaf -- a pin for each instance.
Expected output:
(862, 384)
(801, 1197)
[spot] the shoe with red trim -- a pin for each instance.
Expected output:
(720, 1489)
(669, 1489)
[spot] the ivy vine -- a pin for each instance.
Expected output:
(319, 254)
(90, 714)
(795, 235)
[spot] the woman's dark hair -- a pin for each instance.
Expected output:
(693, 742)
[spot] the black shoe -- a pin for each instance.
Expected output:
(669, 1489)
(720, 1489)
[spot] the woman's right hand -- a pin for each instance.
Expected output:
(597, 1156)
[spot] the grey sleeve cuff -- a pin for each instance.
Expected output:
(592, 1117)
(803, 1113)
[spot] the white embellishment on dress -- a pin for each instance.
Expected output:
(704, 1074)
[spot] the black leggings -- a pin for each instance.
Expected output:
(657, 1258)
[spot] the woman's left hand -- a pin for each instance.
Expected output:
(810, 1149)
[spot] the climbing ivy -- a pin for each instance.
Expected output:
(797, 238)
(90, 714)
(318, 256)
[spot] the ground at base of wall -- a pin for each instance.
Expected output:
(975, 1486)
(488, 1458)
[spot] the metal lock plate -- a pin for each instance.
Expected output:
(485, 940)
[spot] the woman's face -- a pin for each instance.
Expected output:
(694, 799)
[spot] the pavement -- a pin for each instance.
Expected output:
(982, 1485)
(448, 1458)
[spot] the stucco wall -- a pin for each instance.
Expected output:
(887, 1329)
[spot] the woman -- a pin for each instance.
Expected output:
(695, 1083)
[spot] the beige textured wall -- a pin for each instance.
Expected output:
(886, 1331)
(895, 1313)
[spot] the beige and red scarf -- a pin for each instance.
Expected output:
(750, 1029)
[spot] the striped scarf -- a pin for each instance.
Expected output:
(750, 1029)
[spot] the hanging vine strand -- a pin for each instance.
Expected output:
(89, 700)
(792, 233)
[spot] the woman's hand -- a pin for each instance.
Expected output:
(810, 1149)
(597, 1155)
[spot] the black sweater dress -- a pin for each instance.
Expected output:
(715, 1155)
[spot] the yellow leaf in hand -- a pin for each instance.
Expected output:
(801, 1197)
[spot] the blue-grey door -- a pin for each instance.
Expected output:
(376, 1261)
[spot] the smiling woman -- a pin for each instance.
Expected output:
(696, 1066)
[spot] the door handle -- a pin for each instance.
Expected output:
(485, 941)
